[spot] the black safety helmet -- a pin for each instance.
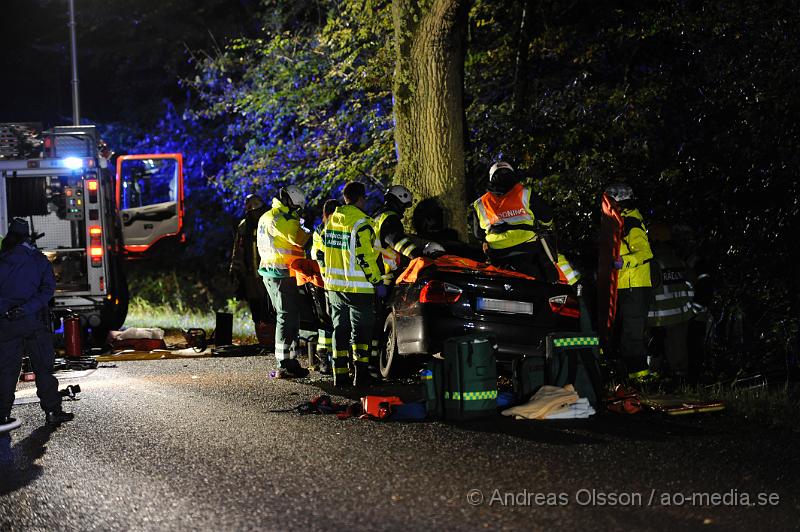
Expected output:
(253, 202)
(502, 178)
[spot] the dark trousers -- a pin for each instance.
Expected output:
(353, 317)
(530, 259)
(27, 336)
(285, 298)
(633, 304)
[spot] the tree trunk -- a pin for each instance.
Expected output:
(428, 102)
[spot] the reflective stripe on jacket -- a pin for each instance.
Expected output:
(352, 252)
(672, 293)
(635, 252)
(568, 273)
(281, 239)
(394, 245)
(508, 219)
(318, 248)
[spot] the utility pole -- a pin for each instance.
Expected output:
(76, 106)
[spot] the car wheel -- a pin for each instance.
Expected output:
(388, 358)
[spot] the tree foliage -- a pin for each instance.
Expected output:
(694, 104)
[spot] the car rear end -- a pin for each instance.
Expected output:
(517, 312)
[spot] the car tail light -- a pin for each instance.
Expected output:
(96, 245)
(565, 305)
(439, 292)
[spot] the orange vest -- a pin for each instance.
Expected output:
(510, 211)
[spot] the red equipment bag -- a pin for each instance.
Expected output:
(378, 406)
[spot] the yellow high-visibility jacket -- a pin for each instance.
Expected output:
(280, 239)
(507, 220)
(353, 261)
(635, 252)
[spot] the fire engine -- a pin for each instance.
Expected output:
(87, 215)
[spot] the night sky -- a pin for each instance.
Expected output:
(131, 55)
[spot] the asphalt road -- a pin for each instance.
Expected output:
(192, 445)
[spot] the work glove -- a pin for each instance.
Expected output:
(617, 264)
(15, 313)
(381, 291)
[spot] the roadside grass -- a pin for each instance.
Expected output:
(774, 407)
(142, 313)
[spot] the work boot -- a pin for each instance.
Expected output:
(291, 369)
(361, 376)
(56, 417)
(9, 423)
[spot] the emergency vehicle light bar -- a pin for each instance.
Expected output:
(73, 163)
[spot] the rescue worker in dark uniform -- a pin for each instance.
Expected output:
(27, 285)
(633, 282)
(671, 304)
(244, 269)
(510, 219)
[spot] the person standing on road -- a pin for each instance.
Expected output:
(27, 285)
(671, 304)
(509, 219)
(633, 281)
(325, 334)
(244, 269)
(354, 276)
(281, 240)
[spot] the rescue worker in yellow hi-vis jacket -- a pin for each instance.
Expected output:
(282, 239)
(633, 282)
(509, 219)
(354, 276)
(325, 335)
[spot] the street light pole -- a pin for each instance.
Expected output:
(76, 106)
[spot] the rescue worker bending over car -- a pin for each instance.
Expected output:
(354, 276)
(390, 230)
(281, 240)
(508, 220)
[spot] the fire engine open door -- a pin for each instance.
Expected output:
(149, 198)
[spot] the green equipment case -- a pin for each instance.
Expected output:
(470, 378)
(572, 358)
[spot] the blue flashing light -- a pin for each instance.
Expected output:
(73, 163)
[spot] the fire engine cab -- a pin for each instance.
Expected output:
(86, 216)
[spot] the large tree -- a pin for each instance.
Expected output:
(428, 101)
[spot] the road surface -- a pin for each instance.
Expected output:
(192, 445)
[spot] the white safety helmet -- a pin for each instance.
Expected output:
(293, 197)
(401, 194)
(501, 178)
(619, 192)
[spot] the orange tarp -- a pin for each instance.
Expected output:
(454, 263)
(307, 271)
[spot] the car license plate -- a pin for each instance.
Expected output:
(505, 306)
